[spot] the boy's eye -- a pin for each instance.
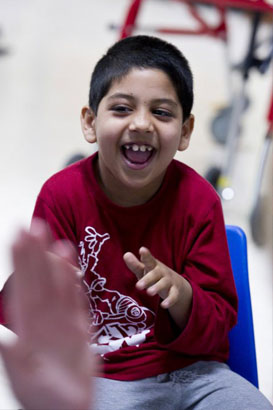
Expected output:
(162, 113)
(123, 109)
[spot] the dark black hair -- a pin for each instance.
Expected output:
(142, 52)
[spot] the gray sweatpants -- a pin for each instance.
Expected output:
(201, 386)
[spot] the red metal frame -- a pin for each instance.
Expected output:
(219, 30)
(129, 23)
(256, 5)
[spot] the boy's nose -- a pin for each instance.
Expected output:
(141, 122)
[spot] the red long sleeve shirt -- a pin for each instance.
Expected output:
(183, 227)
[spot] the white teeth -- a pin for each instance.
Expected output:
(136, 147)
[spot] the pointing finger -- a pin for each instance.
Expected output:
(134, 264)
(147, 259)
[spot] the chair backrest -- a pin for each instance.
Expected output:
(242, 358)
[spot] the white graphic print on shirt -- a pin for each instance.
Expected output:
(119, 321)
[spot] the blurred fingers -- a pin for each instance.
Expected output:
(40, 230)
(28, 282)
(67, 251)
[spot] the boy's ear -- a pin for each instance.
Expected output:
(187, 129)
(88, 124)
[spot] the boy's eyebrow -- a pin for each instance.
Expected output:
(156, 100)
(165, 100)
(121, 95)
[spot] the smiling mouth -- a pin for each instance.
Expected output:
(138, 153)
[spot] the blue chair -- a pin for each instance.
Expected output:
(242, 358)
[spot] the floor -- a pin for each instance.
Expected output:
(47, 52)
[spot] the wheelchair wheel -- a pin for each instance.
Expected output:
(257, 223)
(221, 122)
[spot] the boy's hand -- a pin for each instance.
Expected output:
(159, 279)
(155, 277)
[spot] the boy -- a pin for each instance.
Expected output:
(151, 240)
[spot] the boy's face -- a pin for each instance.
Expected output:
(138, 127)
